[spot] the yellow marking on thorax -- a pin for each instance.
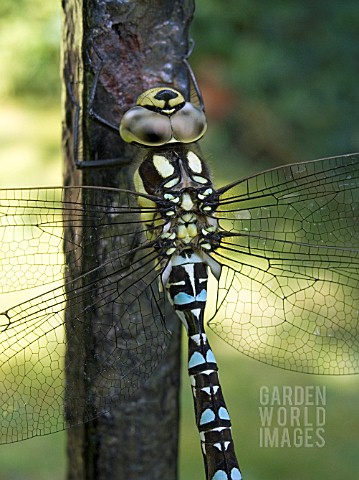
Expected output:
(187, 203)
(140, 188)
(171, 183)
(187, 228)
(163, 166)
(199, 179)
(187, 233)
(194, 162)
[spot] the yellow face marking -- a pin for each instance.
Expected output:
(175, 101)
(148, 99)
(163, 166)
(194, 162)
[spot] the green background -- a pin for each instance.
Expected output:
(280, 84)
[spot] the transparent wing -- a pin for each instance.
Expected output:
(104, 240)
(289, 289)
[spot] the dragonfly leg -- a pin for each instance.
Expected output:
(90, 110)
(194, 81)
(101, 163)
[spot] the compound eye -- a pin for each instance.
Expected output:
(188, 124)
(140, 125)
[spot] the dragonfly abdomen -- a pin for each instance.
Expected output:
(187, 289)
(212, 418)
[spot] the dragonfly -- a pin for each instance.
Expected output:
(269, 263)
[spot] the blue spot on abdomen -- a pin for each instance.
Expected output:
(183, 299)
(207, 416)
(202, 297)
(210, 357)
(220, 475)
(223, 414)
(196, 359)
(236, 474)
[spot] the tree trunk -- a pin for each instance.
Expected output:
(140, 45)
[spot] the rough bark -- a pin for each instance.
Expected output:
(141, 45)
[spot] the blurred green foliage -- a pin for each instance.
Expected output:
(291, 69)
(29, 50)
(291, 65)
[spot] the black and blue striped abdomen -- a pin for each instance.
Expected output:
(187, 290)
(212, 417)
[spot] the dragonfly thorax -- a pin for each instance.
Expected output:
(190, 230)
(172, 168)
(179, 180)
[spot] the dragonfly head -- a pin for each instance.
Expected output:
(162, 116)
